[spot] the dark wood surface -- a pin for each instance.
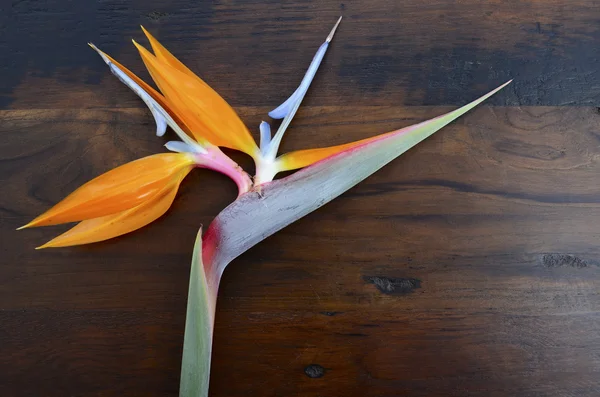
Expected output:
(468, 267)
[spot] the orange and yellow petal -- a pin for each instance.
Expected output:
(110, 226)
(165, 56)
(200, 105)
(179, 102)
(117, 190)
(304, 158)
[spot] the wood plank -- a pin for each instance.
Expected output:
(255, 52)
(386, 351)
(94, 353)
(469, 266)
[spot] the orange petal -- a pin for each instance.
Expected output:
(163, 55)
(117, 190)
(196, 102)
(107, 227)
(179, 102)
(304, 158)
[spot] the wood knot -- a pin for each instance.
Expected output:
(393, 285)
(156, 15)
(314, 371)
(330, 314)
(563, 260)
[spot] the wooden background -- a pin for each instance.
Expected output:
(468, 267)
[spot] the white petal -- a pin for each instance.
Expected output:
(265, 136)
(284, 109)
(182, 147)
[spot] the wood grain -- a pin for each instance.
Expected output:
(439, 52)
(468, 267)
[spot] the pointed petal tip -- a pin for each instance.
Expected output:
(93, 47)
(33, 223)
(135, 43)
(330, 36)
(500, 87)
(43, 246)
(100, 52)
(148, 35)
(141, 48)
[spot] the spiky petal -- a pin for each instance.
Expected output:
(207, 114)
(110, 226)
(119, 189)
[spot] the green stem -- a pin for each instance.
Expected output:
(199, 323)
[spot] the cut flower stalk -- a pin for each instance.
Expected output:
(253, 217)
(137, 193)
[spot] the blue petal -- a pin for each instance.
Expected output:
(284, 109)
(265, 136)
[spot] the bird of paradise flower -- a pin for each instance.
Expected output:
(135, 194)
